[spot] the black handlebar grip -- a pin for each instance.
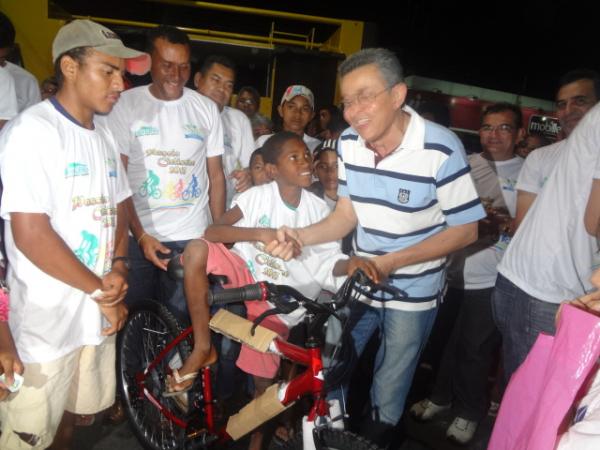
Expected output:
(237, 295)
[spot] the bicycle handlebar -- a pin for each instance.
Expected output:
(269, 291)
(257, 291)
(277, 292)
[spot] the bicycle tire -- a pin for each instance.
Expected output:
(334, 440)
(149, 328)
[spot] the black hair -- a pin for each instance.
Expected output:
(337, 124)
(170, 34)
(333, 110)
(273, 147)
(7, 32)
(501, 107)
(581, 74)
(252, 91)
(216, 59)
(78, 54)
(256, 153)
(439, 111)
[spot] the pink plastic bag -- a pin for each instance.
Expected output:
(543, 388)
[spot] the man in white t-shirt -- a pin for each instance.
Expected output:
(551, 257)
(8, 97)
(171, 141)
(215, 80)
(297, 108)
(26, 86)
(463, 374)
(66, 238)
(578, 92)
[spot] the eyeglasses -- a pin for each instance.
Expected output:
(363, 99)
(246, 101)
(503, 128)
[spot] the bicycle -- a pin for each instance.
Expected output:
(152, 343)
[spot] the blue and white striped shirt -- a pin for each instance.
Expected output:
(417, 191)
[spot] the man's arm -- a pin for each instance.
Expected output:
(36, 239)
(149, 244)
(115, 282)
(592, 210)
(524, 201)
(437, 246)
(216, 188)
(335, 226)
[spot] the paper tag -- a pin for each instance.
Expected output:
(502, 243)
(17, 383)
(96, 294)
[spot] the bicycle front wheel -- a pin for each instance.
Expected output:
(334, 440)
(149, 329)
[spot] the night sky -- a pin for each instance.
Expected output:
(519, 47)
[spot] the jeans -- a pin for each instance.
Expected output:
(520, 318)
(229, 376)
(146, 281)
(403, 336)
(463, 375)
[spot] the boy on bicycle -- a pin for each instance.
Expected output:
(251, 224)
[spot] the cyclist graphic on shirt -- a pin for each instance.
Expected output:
(192, 191)
(87, 252)
(150, 186)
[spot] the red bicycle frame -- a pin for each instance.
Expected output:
(311, 381)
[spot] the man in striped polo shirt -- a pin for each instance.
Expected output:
(404, 183)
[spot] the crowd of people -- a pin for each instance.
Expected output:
(103, 185)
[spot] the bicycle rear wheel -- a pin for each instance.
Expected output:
(149, 329)
(334, 440)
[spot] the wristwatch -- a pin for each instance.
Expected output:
(125, 260)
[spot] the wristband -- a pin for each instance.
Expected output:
(141, 237)
(96, 294)
(125, 260)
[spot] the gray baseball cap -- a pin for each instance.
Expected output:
(85, 33)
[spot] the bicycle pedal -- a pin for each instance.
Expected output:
(199, 439)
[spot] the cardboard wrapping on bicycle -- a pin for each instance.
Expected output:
(238, 329)
(255, 413)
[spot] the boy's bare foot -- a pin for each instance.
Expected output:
(183, 378)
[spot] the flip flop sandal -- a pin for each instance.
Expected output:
(171, 391)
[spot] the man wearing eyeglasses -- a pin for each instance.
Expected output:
(578, 92)
(462, 378)
(405, 184)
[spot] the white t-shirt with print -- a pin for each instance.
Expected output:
(51, 165)
(239, 145)
(494, 180)
(8, 96)
(167, 144)
(538, 166)
(584, 433)
(310, 141)
(26, 86)
(552, 257)
(310, 272)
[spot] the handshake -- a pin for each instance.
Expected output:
(284, 243)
